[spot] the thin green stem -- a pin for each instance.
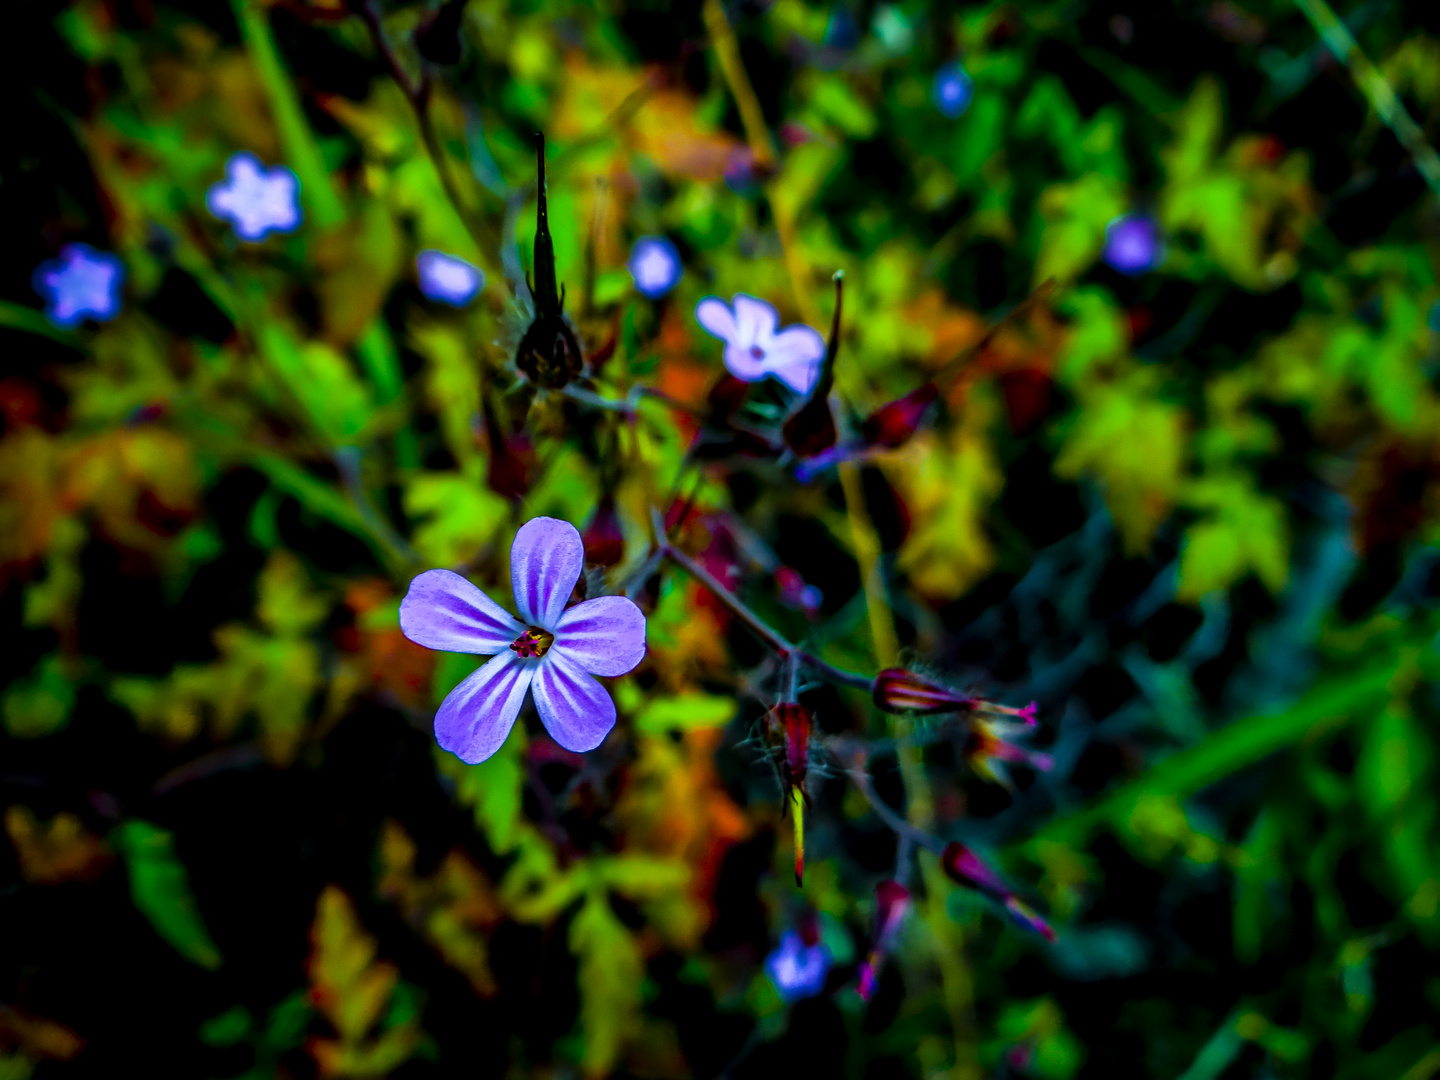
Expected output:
(1378, 92)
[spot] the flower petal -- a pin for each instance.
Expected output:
(604, 636)
(755, 320)
(474, 720)
(575, 709)
(444, 611)
(545, 562)
(715, 316)
(795, 357)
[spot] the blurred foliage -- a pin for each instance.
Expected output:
(1191, 509)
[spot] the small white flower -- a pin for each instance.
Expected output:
(255, 200)
(755, 347)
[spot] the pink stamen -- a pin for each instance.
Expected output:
(532, 643)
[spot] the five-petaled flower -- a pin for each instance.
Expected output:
(255, 200)
(755, 346)
(550, 650)
(655, 266)
(798, 970)
(81, 282)
(447, 278)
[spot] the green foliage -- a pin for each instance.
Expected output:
(161, 891)
(1191, 511)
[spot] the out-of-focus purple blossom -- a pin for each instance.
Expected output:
(755, 347)
(256, 200)
(549, 650)
(953, 90)
(81, 282)
(892, 901)
(448, 278)
(797, 970)
(1133, 245)
(655, 265)
(794, 593)
(740, 173)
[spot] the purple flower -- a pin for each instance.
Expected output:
(754, 349)
(655, 266)
(255, 200)
(796, 969)
(550, 650)
(953, 91)
(1132, 244)
(448, 278)
(82, 281)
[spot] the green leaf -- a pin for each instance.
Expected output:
(611, 971)
(1233, 747)
(494, 789)
(161, 890)
(1075, 216)
(685, 712)
(41, 704)
(228, 1028)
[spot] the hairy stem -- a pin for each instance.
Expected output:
(761, 629)
(417, 92)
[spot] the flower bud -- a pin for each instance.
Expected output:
(794, 723)
(964, 866)
(893, 424)
(901, 691)
(892, 900)
(604, 542)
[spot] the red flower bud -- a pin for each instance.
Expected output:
(604, 542)
(892, 900)
(964, 866)
(900, 691)
(794, 722)
(893, 424)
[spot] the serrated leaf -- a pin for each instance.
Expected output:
(494, 789)
(610, 975)
(160, 889)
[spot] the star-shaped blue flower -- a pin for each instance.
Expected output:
(655, 266)
(255, 200)
(81, 282)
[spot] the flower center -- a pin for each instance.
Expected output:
(757, 352)
(533, 642)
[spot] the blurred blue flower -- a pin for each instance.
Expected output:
(1133, 245)
(1432, 317)
(255, 200)
(448, 278)
(81, 282)
(954, 90)
(655, 266)
(798, 970)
